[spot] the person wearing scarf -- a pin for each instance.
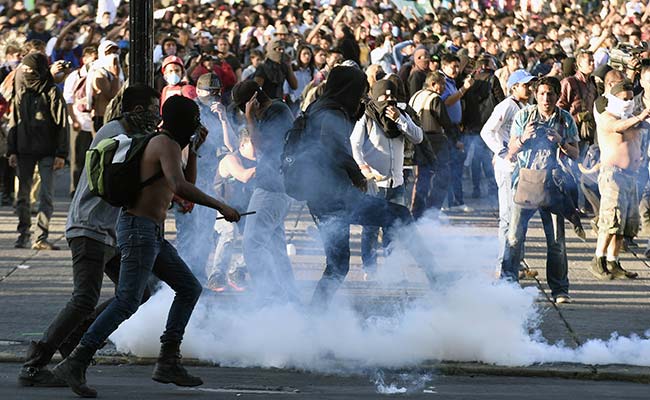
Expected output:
(276, 69)
(38, 135)
(378, 147)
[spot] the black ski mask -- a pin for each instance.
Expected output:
(377, 109)
(181, 118)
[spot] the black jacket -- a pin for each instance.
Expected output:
(38, 124)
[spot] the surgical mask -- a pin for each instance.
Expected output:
(623, 109)
(172, 79)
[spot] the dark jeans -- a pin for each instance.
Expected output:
(557, 267)
(143, 250)
(90, 261)
(370, 234)
(26, 166)
(7, 175)
(432, 181)
(334, 217)
(79, 142)
(456, 165)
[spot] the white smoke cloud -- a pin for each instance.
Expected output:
(469, 317)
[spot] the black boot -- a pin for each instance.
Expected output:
(598, 268)
(34, 371)
(618, 272)
(168, 368)
(73, 370)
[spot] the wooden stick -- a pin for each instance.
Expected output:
(247, 213)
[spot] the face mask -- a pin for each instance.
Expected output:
(172, 79)
(142, 121)
(621, 108)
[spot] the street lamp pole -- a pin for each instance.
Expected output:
(141, 42)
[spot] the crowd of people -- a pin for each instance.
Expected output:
(369, 112)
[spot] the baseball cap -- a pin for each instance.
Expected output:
(519, 76)
(172, 60)
(209, 81)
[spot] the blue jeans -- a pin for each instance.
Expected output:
(481, 163)
(143, 251)
(265, 246)
(456, 164)
(370, 234)
(432, 180)
(557, 266)
(333, 217)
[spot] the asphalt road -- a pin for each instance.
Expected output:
(133, 382)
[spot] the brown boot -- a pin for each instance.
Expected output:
(618, 272)
(598, 268)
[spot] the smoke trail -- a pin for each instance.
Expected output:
(470, 317)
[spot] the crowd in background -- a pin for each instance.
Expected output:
(446, 81)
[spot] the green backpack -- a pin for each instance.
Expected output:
(113, 169)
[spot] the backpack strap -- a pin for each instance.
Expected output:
(151, 180)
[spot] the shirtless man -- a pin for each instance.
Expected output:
(619, 136)
(144, 250)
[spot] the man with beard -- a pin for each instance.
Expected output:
(333, 184)
(91, 235)
(144, 250)
(378, 148)
(38, 135)
(418, 75)
(540, 134)
(276, 69)
(264, 242)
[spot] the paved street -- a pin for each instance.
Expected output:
(133, 382)
(35, 285)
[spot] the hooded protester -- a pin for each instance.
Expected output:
(38, 135)
(378, 141)
(276, 69)
(336, 195)
(418, 75)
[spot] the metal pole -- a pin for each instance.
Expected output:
(141, 42)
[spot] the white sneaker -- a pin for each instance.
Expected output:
(562, 299)
(466, 209)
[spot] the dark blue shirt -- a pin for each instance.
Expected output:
(272, 126)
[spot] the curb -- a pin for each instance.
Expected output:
(620, 373)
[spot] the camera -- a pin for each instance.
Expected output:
(622, 56)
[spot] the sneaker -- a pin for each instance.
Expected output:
(618, 272)
(369, 275)
(44, 245)
(563, 298)
(22, 242)
(237, 281)
(217, 282)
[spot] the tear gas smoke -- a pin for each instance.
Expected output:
(469, 317)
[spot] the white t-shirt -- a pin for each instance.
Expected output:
(84, 118)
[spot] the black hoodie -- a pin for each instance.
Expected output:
(332, 118)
